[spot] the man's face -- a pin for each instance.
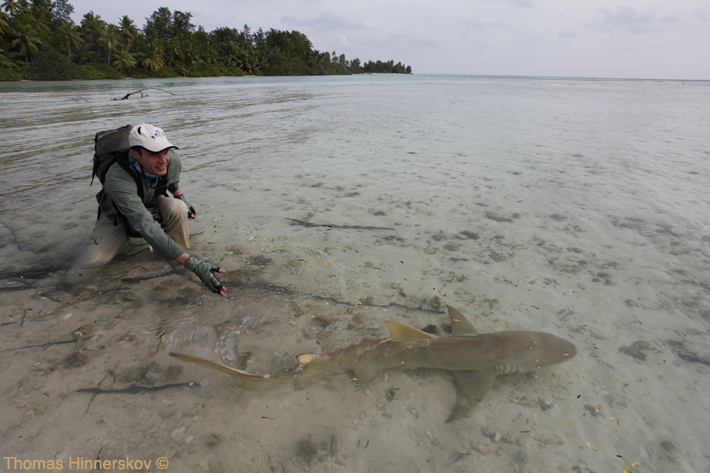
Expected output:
(156, 163)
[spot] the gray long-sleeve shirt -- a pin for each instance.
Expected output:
(120, 188)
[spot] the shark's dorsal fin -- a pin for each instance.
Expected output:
(460, 326)
(399, 332)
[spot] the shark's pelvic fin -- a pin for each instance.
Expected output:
(471, 388)
(401, 332)
(460, 326)
(306, 358)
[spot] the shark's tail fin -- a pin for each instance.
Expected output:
(248, 380)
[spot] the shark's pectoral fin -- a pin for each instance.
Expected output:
(471, 388)
(460, 326)
(365, 373)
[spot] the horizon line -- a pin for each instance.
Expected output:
(520, 76)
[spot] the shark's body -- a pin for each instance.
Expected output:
(473, 359)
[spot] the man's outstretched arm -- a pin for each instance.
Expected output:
(205, 271)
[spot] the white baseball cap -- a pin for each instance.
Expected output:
(149, 137)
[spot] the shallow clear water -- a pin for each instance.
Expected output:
(573, 207)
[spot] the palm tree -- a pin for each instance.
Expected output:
(71, 36)
(288, 43)
(210, 55)
(26, 40)
(153, 62)
(181, 27)
(13, 7)
(128, 29)
(3, 24)
(175, 49)
(91, 27)
(40, 10)
(187, 52)
(109, 40)
(6, 57)
(229, 52)
(124, 60)
(153, 59)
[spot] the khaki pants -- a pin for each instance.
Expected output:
(107, 239)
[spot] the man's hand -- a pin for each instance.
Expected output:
(191, 212)
(205, 271)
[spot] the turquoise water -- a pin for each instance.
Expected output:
(575, 207)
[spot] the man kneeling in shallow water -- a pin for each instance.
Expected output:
(134, 203)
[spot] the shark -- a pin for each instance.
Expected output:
(474, 359)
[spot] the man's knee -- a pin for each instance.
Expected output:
(105, 242)
(172, 209)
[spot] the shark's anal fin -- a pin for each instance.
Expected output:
(471, 388)
(460, 326)
(400, 332)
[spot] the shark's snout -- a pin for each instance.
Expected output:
(553, 350)
(561, 350)
(571, 350)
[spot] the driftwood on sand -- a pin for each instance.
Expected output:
(125, 97)
(329, 225)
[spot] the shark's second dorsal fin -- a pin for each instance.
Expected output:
(460, 326)
(400, 331)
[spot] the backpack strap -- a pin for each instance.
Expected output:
(126, 165)
(122, 161)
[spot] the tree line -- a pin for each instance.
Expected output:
(39, 40)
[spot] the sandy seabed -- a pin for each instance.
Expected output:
(603, 243)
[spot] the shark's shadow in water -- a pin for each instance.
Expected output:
(474, 359)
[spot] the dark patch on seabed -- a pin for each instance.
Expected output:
(470, 235)
(31, 273)
(686, 355)
(637, 350)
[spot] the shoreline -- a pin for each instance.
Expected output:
(204, 77)
(485, 76)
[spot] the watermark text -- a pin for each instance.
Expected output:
(81, 463)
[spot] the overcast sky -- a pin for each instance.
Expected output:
(573, 38)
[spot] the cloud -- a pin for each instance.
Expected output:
(475, 24)
(416, 42)
(568, 33)
(669, 19)
(523, 3)
(400, 42)
(627, 18)
(324, 22)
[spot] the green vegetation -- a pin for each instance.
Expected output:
(39, 41)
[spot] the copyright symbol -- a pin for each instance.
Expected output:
(162, 463)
